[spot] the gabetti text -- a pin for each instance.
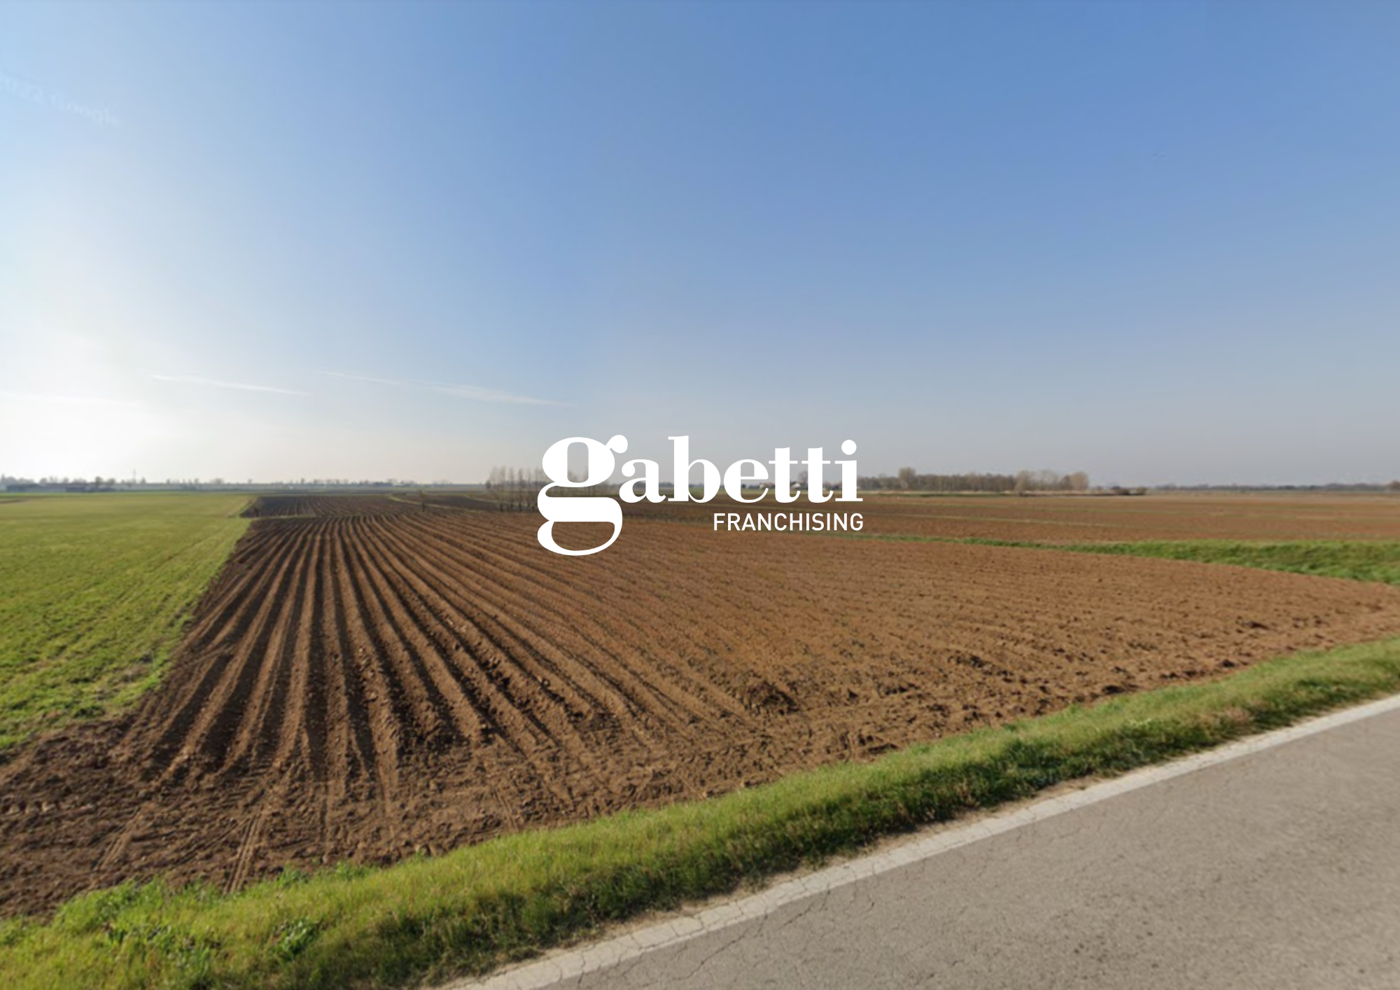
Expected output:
(645, 484)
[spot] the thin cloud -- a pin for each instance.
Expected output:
(70, 400)
(477, 393)
(362, 378)
(480, 394)
(212, 383)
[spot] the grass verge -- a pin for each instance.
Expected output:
(94, 592)
(506, 899)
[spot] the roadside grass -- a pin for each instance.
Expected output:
(94, 593)
(507, 899)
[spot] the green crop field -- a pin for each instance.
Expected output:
(1369, 561)
(94, 590)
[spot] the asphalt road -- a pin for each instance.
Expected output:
(1275, 864)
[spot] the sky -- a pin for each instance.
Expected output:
(1157, 242)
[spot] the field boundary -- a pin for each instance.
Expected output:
(1356, 560)
(505, 900)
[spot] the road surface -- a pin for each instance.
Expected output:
(1274, 863)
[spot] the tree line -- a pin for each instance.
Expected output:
(910, 480)
(515, 489)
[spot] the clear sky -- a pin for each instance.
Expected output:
(1157, 242)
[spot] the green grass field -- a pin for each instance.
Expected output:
(1355, 560)
(94, 591)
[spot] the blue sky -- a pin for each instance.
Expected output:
(1157, 242)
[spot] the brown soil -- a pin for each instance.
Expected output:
(265, 506)
(364, 686)
(1084, 519)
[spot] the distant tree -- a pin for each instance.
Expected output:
(908, 478)
(1394, 486)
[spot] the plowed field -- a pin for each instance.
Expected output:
(1153, 517)
(365, 684)
(1089, 519)
(281, 506)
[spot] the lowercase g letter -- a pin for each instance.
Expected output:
(579, 508)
